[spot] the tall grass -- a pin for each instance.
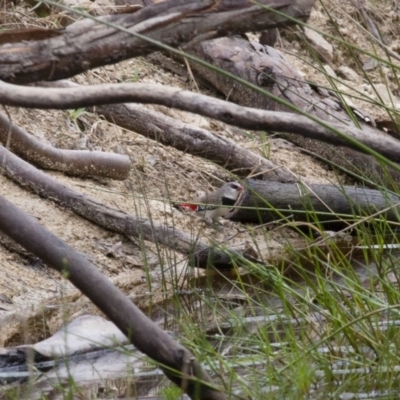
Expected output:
(320, 321)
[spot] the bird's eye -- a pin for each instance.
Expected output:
(235, 186)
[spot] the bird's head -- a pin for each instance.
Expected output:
(231, 190)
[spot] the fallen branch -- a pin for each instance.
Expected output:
(72, 162)
(244, 117)
(178, 364)
(200, 254)
(266, 68)
(174, 23)
(334, 206)
(194, 140)
(187, 138)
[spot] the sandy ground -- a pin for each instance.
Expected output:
(35, 300)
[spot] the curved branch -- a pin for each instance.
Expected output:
(194, 140)
(244, 117)
(267, 68)
(72, 162)
(201, 255)
(178, 364)
(188, 138)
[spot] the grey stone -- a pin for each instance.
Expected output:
(328, 69)
(319, 43)
(349, 74)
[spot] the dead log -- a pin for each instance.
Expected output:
(334, 206)
(71, 162)
(187, 138)
(230, 113)
(265, 67)
(178, 364)
(200, 254)
(194, 140)
(91, 43)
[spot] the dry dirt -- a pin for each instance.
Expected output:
(159, 174)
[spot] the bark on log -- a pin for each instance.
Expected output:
(71, 162)
(178, 364)
(90, 43)
(329, 204)
(200, 254)
(267, 68)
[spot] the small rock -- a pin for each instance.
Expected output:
(370, 64)
(330, 72)
(349, 74)
(319, 43)
(344, 98)
(384, 93)
(152, 160)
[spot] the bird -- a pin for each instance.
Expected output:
(216, 204)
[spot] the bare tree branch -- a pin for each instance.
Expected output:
(266, 68)
(200, 254)
(178, 364)
(90, 43)
(72, 162)
(194, 140)
(244, 117)
(188, 138)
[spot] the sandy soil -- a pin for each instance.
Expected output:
(29, 290)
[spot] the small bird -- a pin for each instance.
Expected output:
(215, 204)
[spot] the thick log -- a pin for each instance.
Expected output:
(178, 364)
(71, 162)
(334, 206)
(265, 67)
(92, 43)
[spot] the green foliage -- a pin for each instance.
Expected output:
(171, 393)
(75, 114)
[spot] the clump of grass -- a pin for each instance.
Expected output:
(327, 328)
